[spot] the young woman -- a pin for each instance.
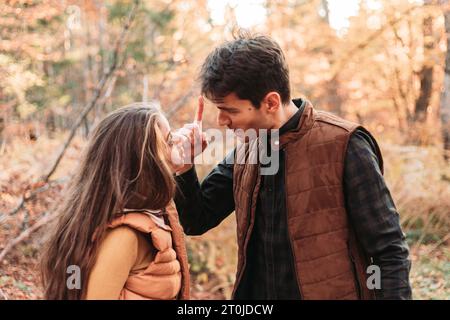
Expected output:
(118, 225)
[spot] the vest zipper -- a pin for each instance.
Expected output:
(287, 222)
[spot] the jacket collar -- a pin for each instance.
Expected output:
(303, 126)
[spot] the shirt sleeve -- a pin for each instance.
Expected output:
(116, 257)
(202, 207)
(374, 216)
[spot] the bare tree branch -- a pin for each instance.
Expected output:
(362, 45)
(181, 102)
(97, 93)
(25, 234)
(106, 76)
(32, 195)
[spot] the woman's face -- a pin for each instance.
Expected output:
(174, 150)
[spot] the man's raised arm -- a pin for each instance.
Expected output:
(202, 207)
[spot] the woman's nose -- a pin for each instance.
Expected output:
(223, 120)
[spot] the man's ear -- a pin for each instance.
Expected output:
(272, 100)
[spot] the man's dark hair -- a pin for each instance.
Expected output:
(249, 66)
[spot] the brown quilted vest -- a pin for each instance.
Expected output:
(167, 276)
(328, 260)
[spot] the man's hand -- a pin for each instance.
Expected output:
(195, 140)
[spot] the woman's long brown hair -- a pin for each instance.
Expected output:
(124, 166)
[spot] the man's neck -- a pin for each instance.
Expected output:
(287, 113)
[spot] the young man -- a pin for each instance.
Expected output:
(312, 229)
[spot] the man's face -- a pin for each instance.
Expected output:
(236, 113)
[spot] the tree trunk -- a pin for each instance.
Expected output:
(87, 74)
(426, 74)
(102, 47)
(445, 97)
(2, 127)
(145, 88)
(333, 98)
(326, 10)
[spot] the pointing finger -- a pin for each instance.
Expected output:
(199, 113)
